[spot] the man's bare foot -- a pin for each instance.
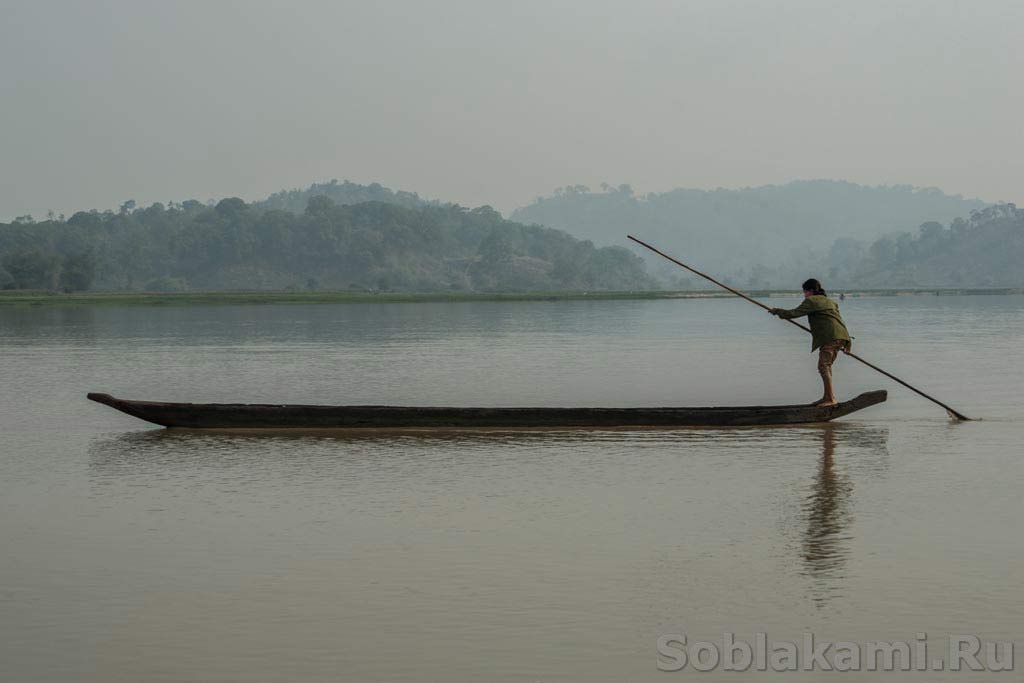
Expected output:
(824, 402)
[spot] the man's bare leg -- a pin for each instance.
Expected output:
(826, 357)
(829, 396)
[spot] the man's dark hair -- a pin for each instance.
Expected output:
(813, 285)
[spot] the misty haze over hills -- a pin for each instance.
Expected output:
(332, 236)
(764, 236)
(984, 250)
(350, 236)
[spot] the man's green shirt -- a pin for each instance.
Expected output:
(825, 322)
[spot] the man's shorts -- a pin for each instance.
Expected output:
(827, 354)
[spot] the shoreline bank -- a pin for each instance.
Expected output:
(43, 298)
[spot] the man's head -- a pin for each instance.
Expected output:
(812, 287)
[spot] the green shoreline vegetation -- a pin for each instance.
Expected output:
(47, 298)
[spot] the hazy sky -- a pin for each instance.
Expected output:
(494, 103)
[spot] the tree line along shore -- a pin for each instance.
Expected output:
(346, 240)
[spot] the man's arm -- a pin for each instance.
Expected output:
(789, 313)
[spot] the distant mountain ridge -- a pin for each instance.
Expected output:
(375, 239)
(349, 236)
(749, 232)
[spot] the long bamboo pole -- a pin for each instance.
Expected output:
(953, 414)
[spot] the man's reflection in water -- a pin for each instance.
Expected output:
(827, 508)
(826, 511)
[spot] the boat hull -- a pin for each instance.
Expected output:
(269, 416)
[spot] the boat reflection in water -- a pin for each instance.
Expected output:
(653, 505)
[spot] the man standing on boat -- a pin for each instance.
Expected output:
(828, 332)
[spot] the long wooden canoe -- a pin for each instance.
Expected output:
(265, 416)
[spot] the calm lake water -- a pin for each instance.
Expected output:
(135, 554)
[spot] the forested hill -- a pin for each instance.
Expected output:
(370, 245)
(345, 192)
(985, 250)
(750, 231)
